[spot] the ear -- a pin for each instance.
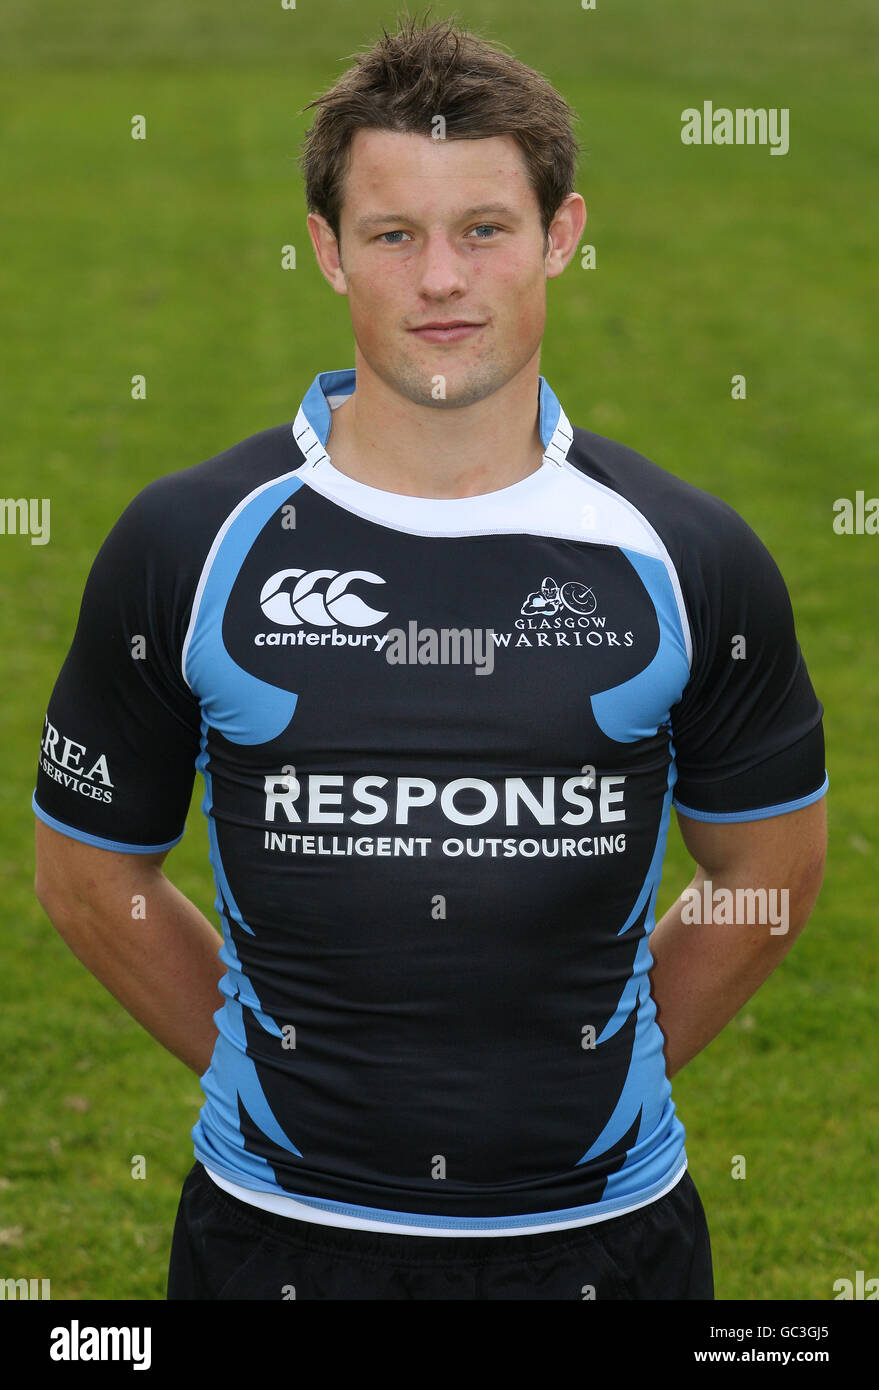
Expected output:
(565, 231)
(326, 249)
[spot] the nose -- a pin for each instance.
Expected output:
(441, 267)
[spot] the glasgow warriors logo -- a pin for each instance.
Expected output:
(551, 597)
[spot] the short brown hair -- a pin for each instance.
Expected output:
(409, 77)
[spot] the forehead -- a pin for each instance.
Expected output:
(390, 171)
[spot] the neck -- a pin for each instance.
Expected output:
(384, 440)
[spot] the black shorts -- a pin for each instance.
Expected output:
(225, 1248)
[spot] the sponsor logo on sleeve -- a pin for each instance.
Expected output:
(75, 766)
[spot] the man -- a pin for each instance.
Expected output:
(444, 663)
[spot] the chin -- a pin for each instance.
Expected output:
(418, 387)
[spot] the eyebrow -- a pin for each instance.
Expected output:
(364, 224)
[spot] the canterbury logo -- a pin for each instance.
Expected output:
(292, 596)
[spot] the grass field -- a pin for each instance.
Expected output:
(162, 257)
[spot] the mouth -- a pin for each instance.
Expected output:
(450, 331)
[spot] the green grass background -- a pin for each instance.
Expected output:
(163, 257)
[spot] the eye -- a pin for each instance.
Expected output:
(485, 227)
(382, 236)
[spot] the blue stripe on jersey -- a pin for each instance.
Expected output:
(230, 1059)
(626, 713)
(98, 840)
(621, 713)
(646, 1080)
(761, 813)
(241, 707)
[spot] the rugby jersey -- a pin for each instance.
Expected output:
(440, 740)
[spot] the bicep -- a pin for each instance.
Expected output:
(787, 850)
(70, 870)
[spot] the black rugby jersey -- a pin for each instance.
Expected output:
(440, 741)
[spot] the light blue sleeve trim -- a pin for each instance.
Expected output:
(96, 840)
(762, 813)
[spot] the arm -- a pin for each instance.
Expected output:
(704, 972)
(162, 967)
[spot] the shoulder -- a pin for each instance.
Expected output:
(701, 533)
(151, 560)
(185, 509)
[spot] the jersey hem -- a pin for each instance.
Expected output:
(409, 1223)
(761, 812)
(97, 840)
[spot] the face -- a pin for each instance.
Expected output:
(444, 262)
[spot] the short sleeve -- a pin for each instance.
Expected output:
(122, 729)
(747, 731)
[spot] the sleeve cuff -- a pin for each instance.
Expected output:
(759, 813)
(120, 846)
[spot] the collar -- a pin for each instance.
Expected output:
(329, 389)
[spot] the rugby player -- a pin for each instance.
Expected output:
(445, 663)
